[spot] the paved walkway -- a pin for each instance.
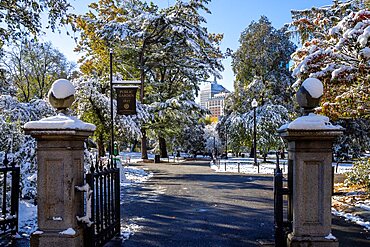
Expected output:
(189, 205)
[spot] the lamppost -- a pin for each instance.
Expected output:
(226, 141)
(254, 106)
(111, 104)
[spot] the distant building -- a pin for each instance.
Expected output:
(212, 97)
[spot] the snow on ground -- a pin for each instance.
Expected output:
(27, 218)
(135, 157)
(246, 165)
(128, 229)
(131, 175)
(352, 217)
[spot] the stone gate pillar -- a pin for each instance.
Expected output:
(60, 145)
(310, 139)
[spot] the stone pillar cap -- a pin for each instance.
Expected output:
(59, 122)
(310, 122)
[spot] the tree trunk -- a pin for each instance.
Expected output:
(264, 157)
(282, 154)
(251, 154)
(100, 142)
(133, 146)
(144, 150)
(162, 147)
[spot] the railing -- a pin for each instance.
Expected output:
(9, 192)
(104, 181)
(282, 227)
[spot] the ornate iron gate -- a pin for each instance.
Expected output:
(9, 192)
(282, 227)
(104, 180)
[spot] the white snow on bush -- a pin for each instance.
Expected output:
(365, 52)
(62, 89)
(314, 87)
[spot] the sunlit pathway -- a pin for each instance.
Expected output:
(189, 205)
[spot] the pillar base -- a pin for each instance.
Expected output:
(54, 238)
(295, 241)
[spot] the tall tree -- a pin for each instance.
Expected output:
(338, 54)
(263, 58)
(261, 68)
(22, 18)
(93, 105)
(32, 67)
(168, 49)
(337, 51)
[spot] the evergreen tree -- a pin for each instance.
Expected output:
(261, 63)
(261, 68)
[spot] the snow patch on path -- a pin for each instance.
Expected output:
(128, 229)
(353, 218)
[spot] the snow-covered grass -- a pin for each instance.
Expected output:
(131, 175)
(246, 165)
(352, 217)
(135, 157)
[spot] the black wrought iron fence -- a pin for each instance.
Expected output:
(282, 217)
(104, 181)
(9, 193)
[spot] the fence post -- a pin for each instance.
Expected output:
(310, 139)
(15, 195)
(278, 208)
(60, 157)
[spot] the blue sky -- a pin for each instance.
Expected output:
(229, 17)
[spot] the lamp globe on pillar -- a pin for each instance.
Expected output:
(254, 106)
(309, 95)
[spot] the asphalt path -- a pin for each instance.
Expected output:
(189, 205)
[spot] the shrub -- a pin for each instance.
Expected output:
(360, 174)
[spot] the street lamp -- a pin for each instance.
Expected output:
(111, 104)
(226, 141)
(254, 106)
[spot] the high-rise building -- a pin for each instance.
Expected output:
(212, 97)
(216, 104)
